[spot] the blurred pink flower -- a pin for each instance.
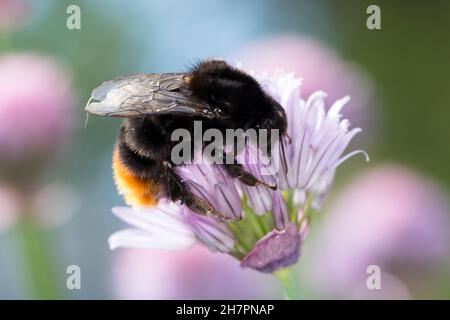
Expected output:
(35, 106)
(10, 207)
(391, 217)
(50, 206)
(187, 274)
(55, 205)
(319, 67)
(13, 14)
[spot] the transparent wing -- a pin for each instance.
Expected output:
(141, 94)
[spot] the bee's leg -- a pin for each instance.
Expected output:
(178, 191)
(236, 170)
(175, 187)
(201, 206)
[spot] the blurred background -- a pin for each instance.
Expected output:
(56, 188)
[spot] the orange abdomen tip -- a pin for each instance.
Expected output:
(137, 191)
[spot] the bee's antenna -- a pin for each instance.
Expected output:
(89, 101)
(87, 119)
(87, 113)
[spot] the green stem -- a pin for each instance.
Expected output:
(6, 42)
(288, 283)
(255, 222)
(37, 260)
(293, 210)
(307, 210)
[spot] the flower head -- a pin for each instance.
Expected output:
(35, 107)
(13, 14)
(261, 227)
(389, 216)
(318, 137)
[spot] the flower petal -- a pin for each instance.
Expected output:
(259, 198)
(136, 238)
(279, 211)
(164, 216)
(278, 249)
(229, 202)
(211, 232)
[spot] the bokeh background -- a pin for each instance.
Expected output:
(56, 188)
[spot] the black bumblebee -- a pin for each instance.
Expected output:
(154, 105)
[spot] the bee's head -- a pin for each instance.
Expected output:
(273, 117)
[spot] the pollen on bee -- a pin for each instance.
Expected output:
(187, 79)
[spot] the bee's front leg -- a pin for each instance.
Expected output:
(236, 170)
(177, 190)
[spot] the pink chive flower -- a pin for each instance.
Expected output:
(320, 67)
(391, 217)
(262, 228)
(190, 274)
(54, 205)
(318, 138)
(13, 14)
(35, 107)
(49, 207)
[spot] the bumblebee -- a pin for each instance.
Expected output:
(154, 105)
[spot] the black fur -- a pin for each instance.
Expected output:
(145, 144)
(239, 96)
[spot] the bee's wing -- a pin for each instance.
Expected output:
(141, 94)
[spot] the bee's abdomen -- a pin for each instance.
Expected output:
(137, 190)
